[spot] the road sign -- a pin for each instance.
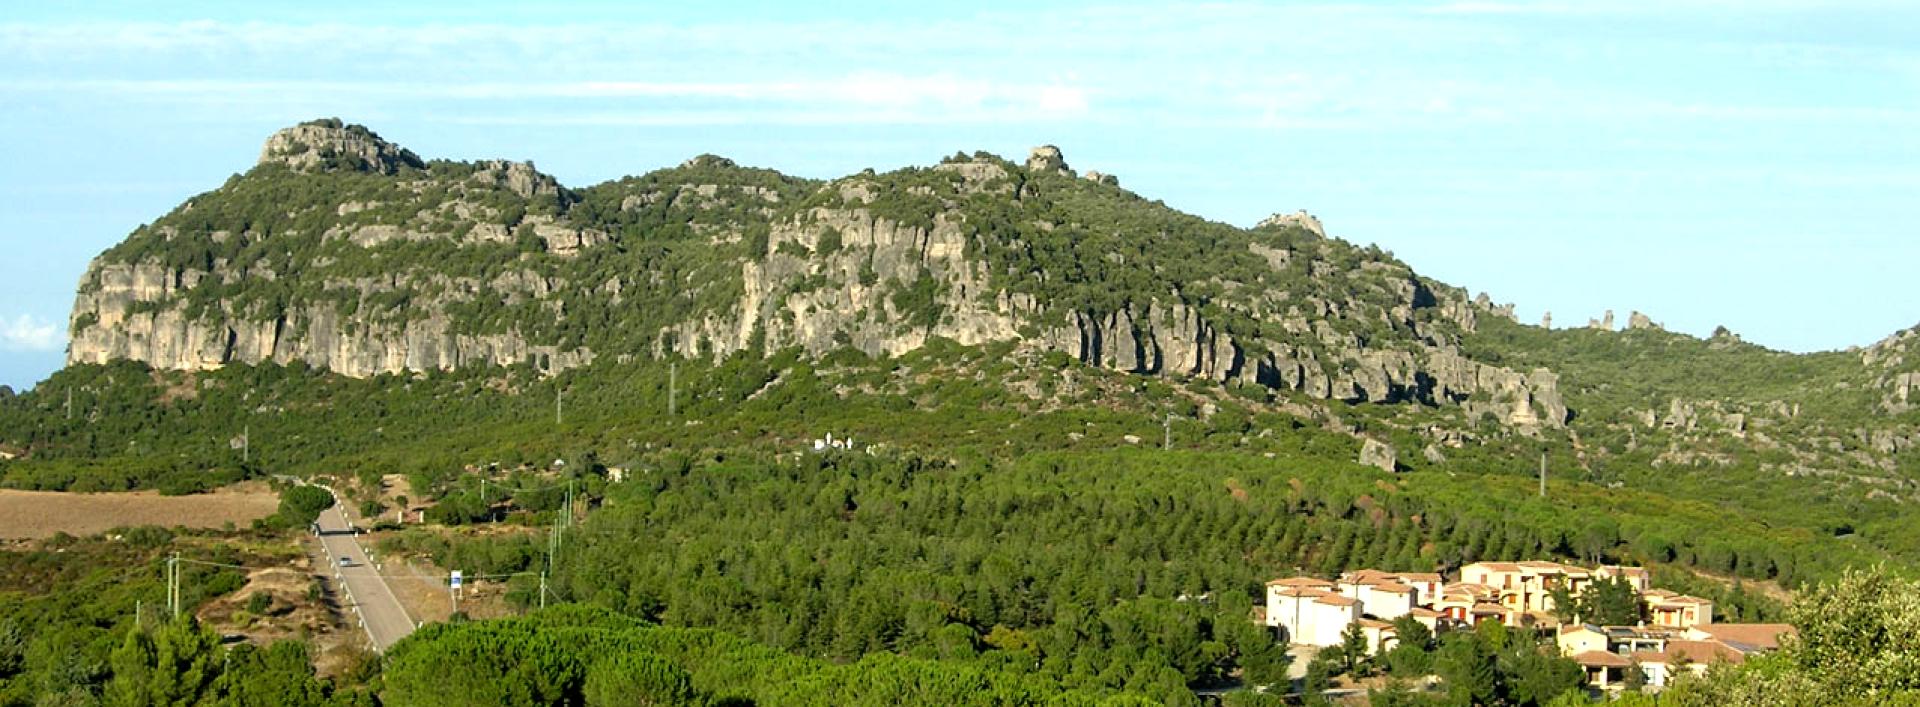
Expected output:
(456, 579)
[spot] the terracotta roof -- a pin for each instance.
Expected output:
(1681, 599)
(1393, 587)
(1694, 652)
(1570, 628)
(1335, 600)
(1302, 592)
(1468, 589)
(1497, 566)
(1748, 637)
(1375, 623)
(1300, 582)
(1487, 608)
(1422, 612)
(1418, 576)
(1602, 659)
(1624, 570)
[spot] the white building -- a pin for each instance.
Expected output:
(1309, 611)
(1381, 599)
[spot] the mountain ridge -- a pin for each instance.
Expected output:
(495, 263)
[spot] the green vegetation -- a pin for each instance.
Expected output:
(300, 506)
(592, 657)
(1006, 530)
(1607, 602)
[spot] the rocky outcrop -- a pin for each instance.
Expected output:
(487, 264)
(519, 177)
(1376, 453)
(135, 311)
(798, 296)
(325, 143)
(1636, 320)
(1047, 158)
(1298, 219)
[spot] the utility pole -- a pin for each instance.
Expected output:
(673, 388)
(246, 443)
(558, 394)
(543, 590)
(69, 402)
(1167, 432)
(1543, 474)
(173, 585)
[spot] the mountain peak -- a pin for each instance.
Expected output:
(328, 144)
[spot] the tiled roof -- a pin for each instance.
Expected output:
(1308, 592)
(1602, 659)
(1300, 582)
(1693, 652)
(1748, 637)
(1424, 613)
(1334, 600)
(1392, 587)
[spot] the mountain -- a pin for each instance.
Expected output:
(367, 308)
(345, 252)
(1073, 431)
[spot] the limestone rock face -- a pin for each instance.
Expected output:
(1047, 158)
(1299, 218)
(520, 178)
(132, 312)
(317, 144)
(492, 263)
(1376, 453)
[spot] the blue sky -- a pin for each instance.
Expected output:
(1749, 163)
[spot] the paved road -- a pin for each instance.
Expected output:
(366, 592)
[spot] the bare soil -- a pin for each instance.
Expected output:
(40, 514)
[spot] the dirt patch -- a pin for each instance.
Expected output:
(40, 514)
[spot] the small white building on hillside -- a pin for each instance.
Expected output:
(1309, 611)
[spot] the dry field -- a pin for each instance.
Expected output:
(39, 514)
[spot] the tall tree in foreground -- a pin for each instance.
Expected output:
(1858, 644)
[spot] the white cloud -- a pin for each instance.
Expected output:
(27, 333)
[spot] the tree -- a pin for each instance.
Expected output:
(301, 505)
(1636, 677)
(1607, 602)
(632, 679)
(175, 664)
(1320, 672)
(1353, 648)
(281, 674)
(13, 649)
(1533, 677)
(1467, 666)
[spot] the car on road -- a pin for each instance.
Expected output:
(346, 562)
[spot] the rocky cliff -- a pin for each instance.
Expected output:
(347, 253)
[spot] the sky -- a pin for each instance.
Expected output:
(1747, 163)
